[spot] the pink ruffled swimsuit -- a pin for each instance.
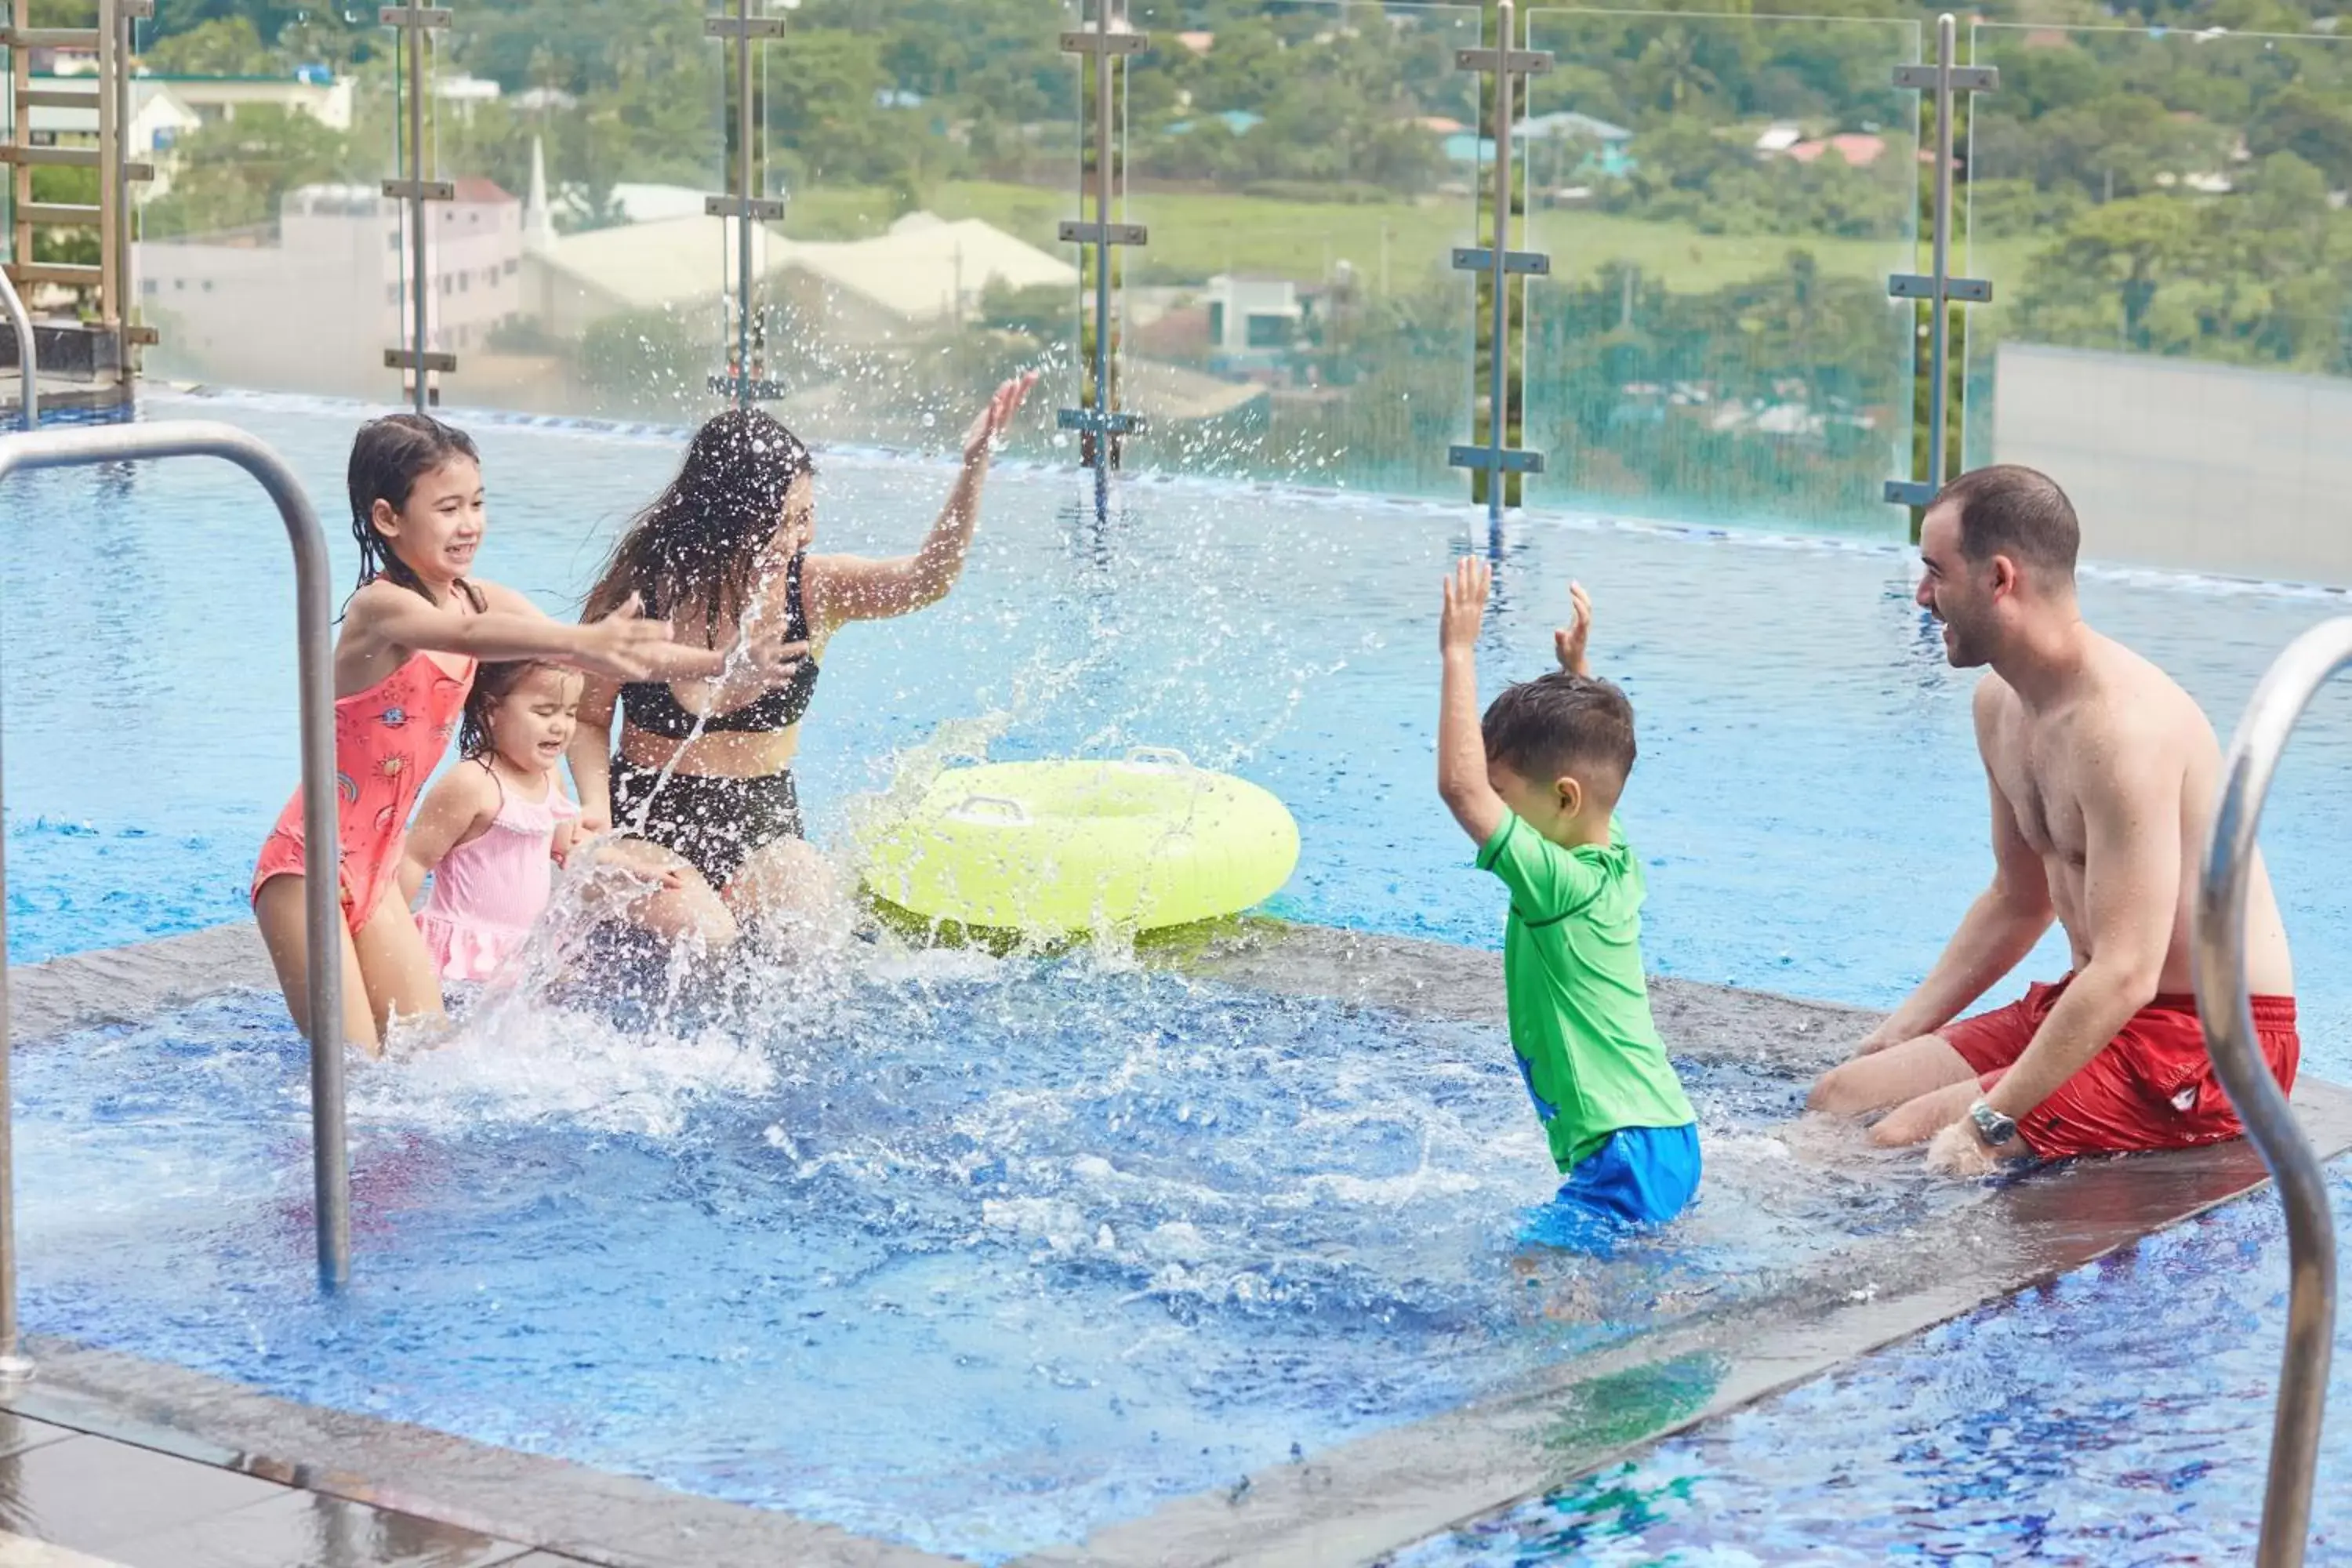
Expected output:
(487, 893)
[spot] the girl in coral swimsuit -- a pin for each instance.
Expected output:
(412, 636)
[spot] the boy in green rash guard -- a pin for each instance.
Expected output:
(1535, 785)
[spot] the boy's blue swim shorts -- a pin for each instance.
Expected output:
(1641, 1175)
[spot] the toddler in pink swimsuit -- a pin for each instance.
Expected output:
(493, 829)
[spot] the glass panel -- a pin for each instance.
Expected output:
(264, 253)
(2170, 335)
(1304, 172)
(925, 151)
(582, 273)
(1723, 199)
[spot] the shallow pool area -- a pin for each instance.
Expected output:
(976, 1255)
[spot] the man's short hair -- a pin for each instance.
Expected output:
(2013, 510)
(1560, 724)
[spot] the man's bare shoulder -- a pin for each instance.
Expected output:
(2131, 699)
(1995, 706)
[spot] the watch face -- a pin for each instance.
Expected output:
(1991, 1126)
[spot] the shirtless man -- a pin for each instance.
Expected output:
(2104, 777)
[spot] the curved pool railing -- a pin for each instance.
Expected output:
(27, 356)
(2217, 956)
(314, 618)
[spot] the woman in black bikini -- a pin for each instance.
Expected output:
(726, 548)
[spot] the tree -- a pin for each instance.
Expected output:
(226, 45)
(233, 173)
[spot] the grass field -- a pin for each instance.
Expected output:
(1195, 234)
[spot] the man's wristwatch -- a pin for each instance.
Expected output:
(1993, 1129)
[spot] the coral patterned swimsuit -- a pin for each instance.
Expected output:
(388, 739)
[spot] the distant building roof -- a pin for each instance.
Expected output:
(925, 268)
(1568, 123)
(1854, 147)
(474, 188)
(1199, 43)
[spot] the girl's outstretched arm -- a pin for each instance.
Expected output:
(457, 810)
(857, 588)
(384, 616)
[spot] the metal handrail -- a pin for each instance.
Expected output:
(314, 618)
(2218, 965)
(27, 356)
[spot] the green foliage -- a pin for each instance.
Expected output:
(642, 354)
(232, 174)
(226, 45)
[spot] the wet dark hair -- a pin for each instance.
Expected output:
(2013, 510)
(493, 684)
(388, 457)
(1561, 724)
(700, 541)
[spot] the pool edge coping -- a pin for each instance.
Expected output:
(1353, 1503)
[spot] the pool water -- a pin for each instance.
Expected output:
(970, 1253)
(2119, 1415)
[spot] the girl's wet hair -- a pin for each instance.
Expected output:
(388, 457)
(493, 684)
(701, 540)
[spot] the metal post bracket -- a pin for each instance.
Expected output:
(1519, 63)
(407, 358)
(1909, 492)
(1481, 259)
(1120, 422)
(1077, 232)
(429, 17)
(421, 190)
(1922, 286)
(749, 389)
(1508, 460)
(1092, 42)
(767, 209)
(1965, 78)
(742, 27)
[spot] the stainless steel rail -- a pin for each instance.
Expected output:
(2218, 958)
(314, 619)
(27, 355)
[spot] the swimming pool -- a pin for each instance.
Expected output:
(1807, 799)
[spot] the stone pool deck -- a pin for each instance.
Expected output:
(107, 1458)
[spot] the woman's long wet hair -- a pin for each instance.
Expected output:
(702, 539)
(388, 457)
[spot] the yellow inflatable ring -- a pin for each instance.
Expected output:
(1062, 846)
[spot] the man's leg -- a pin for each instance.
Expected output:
(1896, 1075)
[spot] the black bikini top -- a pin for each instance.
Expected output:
(653, 707)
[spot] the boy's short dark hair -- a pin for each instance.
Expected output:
(1560, 724)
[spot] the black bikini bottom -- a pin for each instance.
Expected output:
(713, 823)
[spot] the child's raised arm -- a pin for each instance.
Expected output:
(1462, 780)
(1570, 640)
(457, 810)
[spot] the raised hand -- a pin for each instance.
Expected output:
(622, 645)
(980, 441)
(1466, 605)
(1570, 640)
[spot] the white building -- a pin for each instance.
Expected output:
(313, 305)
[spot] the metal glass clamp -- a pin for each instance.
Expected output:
(1919, 285)
(1481, 259)
(1095, 42)
(1077, 232)
(1119, 423)
(769, 209)
(742, 27)
(421, 190)
(430, 359)
(1504, 460)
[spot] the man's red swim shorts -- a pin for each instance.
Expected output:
(2152, 1088)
